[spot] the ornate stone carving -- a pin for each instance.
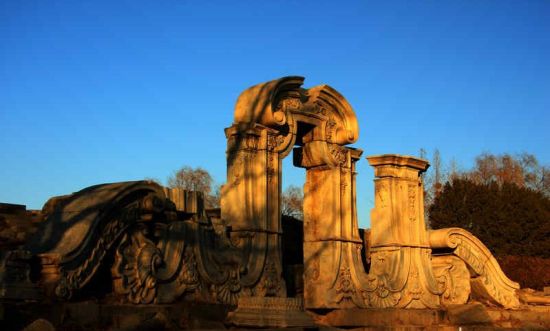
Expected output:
(411, 190)
(135, 271)
(71, 280)
(270, 284)
(454, 278)
(383, 195)
(339, 154)
(82, 228)
(259, 104)
(145, 272)
(488, 282)
(270, 312)
(228, 292)
(313, 271)
(381, 296)
(292, 104)
(401, 273)
(345, 289)
(250, 203)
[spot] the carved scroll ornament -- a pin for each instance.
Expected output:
(82, 228)
(487, 279)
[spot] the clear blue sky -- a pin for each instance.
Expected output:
(96, 91)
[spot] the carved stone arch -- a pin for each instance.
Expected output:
(281, 103)
(343, 128)
(265, 103)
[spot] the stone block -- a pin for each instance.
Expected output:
(468, 314)
(382, 318)
(270, 312)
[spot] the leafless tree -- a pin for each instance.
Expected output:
(432, 179)
(292, 201)
(522, 170)
(197, 179)
(437, 171)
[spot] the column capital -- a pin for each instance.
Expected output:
(397, 166)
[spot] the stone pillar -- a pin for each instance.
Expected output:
(331, 234)
(401, 273)
(250, 206)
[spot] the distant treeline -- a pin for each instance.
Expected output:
(505, 202)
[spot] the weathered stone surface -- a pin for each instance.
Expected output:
(477, 314)
(487, 279)
(401, 274)
(453, 275)
(468, 314)
(185, 201)
(383, 318)
(265, 312)
(532, 297)
(194, 316)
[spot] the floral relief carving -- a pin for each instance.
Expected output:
(383, 195)
(411, 194)
(344, 288)
(313, 270)
(288, 104)
(414, 289)
(136, 263)
(378, 294)
(339, 154)
(188, 278)
(270, 284)
(228, 292)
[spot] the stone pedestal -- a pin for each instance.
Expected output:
(401, 273)
(250, 205)
(331, 235)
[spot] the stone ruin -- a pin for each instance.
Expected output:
(136, 255)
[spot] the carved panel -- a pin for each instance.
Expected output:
(345, 289)
(270, 284)
(228, 292)
(411, 192)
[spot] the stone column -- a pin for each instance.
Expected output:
(330, 226)
(250, 206)
(400, 274)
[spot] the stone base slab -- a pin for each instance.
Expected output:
(273, 313)
(270, 313)
(466, 317)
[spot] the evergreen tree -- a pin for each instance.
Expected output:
(509, 219)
